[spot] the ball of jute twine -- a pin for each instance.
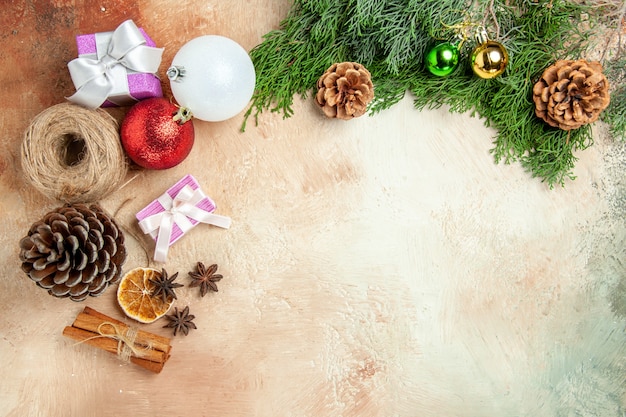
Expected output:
(73, 154)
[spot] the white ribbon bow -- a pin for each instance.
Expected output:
(94, 79)
(178, 210)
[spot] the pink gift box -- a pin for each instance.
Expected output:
(155, 206)
(141, 85)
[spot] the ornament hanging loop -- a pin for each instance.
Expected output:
(176, 73)
(490, 58)
(481, 35)
(459, 40)
(182, 115)
(461, 29)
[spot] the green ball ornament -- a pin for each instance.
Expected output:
(442, 59)
(489, 59)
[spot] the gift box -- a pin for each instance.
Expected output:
(115, 68)
(181, 208)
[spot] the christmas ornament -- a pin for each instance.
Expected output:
(442, 59)
(489, 59)
(213, 77)
(344, 90)
(75, 251)
(571, 94)
(156, 134)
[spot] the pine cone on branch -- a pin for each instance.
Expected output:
(571, 94)
(345, 90)
(74, 251)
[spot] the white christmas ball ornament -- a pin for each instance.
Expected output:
(213, 77)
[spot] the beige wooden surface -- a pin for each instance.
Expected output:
(381, 267)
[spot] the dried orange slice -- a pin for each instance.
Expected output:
(134, 295)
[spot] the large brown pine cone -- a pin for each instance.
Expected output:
(74, 251)
(345, 90)
(571, 94)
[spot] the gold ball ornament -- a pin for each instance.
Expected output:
(489, 59)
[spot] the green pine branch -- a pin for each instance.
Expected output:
(615, 114)
(389, 38)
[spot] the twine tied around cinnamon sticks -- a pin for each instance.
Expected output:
(125, 340)
(130, 344)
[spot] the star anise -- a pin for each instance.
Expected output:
(205, 278)
(164, 286)
(181, 320)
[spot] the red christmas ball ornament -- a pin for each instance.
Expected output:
(157, 134)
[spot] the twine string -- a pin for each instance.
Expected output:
(73, 154)
(126, 343)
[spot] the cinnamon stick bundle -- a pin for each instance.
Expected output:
(148, 350)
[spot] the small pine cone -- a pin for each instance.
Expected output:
(345, 90)
(571, 94)
(74, 251)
